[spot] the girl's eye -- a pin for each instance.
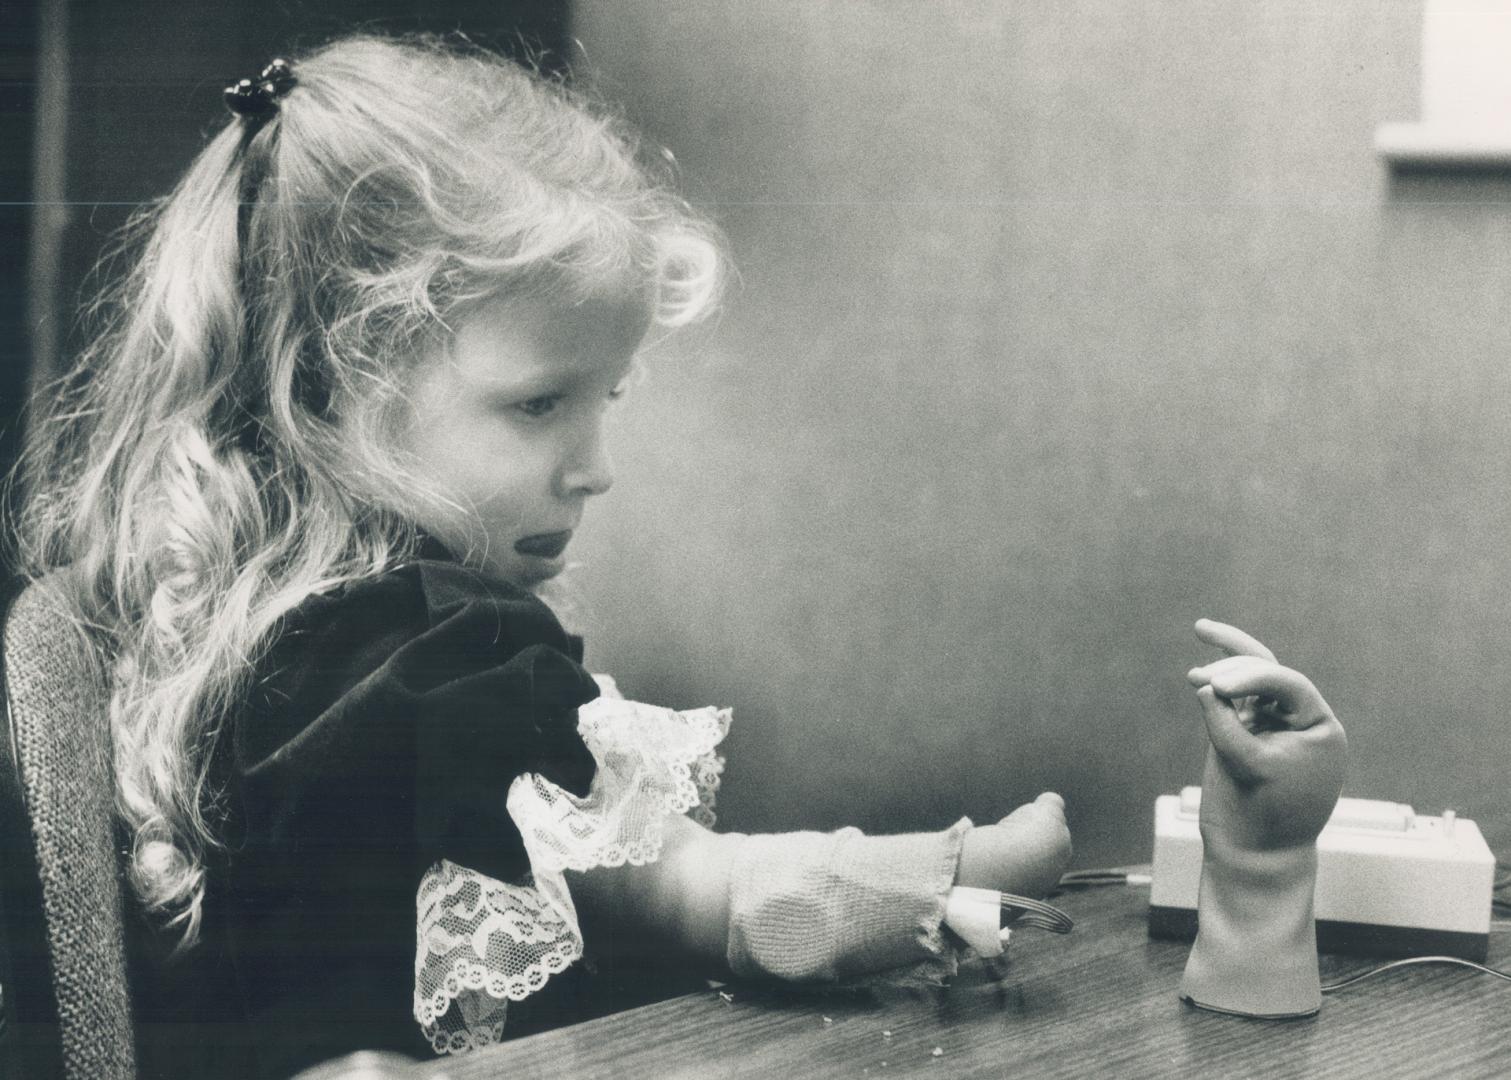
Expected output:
(618, 392)
(538, 407)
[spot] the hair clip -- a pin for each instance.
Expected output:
(258, 98)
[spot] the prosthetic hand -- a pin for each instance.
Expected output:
(1273, 773)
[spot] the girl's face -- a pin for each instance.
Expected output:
(508, 419)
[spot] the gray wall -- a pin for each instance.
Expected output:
(1059, 325)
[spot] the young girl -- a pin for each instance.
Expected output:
(306, 491)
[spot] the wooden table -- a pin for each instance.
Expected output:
(1100, 1002)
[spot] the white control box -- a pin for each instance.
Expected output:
(1390, 881)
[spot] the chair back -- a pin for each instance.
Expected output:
(63, 978)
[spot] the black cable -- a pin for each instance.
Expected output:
(1083, 878)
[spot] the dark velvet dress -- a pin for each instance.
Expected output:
(383, 729)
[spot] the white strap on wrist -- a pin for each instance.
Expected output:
(975, 915)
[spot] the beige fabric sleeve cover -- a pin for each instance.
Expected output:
(812, 907)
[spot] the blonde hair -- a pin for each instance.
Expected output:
(223, 449)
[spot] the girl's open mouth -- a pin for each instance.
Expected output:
(544, 545)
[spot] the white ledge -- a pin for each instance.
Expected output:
(1439, 146)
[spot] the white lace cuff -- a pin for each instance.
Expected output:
(481, 942)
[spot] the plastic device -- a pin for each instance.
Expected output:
(975, 915)
(1390, 881)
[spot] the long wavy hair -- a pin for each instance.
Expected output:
(223, 449)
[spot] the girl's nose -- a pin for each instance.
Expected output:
(589, 471)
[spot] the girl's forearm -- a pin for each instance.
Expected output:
(805, 907)
(682, 898)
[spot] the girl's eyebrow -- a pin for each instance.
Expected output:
(533, 383)
(525, 386)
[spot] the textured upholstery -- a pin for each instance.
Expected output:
(57, 704)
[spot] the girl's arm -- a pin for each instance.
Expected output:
(684, 897)
(1025, 853)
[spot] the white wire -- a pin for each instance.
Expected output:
(1412, 960)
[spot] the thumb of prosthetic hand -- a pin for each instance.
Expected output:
(1273, 773)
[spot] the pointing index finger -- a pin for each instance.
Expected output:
(1231, 640)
